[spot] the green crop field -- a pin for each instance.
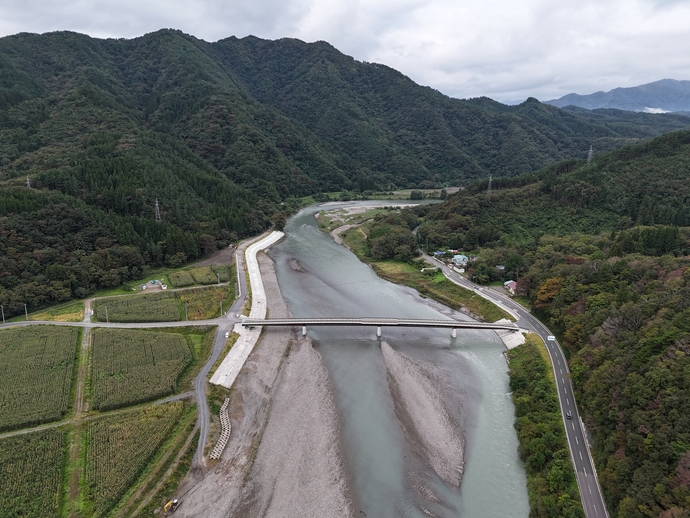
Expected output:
(118, 449)
(181, 279)
(200, 275)
(150, 307)
(203, 303)
(131, 366)
(37, 364)
(31, 469)
(204, 275)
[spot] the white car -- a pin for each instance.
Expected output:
(227, 334)
(551, 338)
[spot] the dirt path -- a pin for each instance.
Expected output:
(154, 474)
(223, 256)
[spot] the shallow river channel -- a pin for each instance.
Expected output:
(319, 278)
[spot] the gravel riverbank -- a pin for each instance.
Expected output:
(282, 458)
(426, 420)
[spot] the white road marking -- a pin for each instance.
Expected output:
(581, 455)
(561, 371)
(568, 400)
(578, 442)
(590, 489)
(566, 389)
(562, 380)
(573, 425)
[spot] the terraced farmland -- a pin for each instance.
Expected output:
(118, 449)
(131, 366)
(37, 366)
(150, 307)
(31, 469)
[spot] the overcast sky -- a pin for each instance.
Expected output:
(504, 49)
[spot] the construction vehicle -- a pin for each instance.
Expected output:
(171, 507)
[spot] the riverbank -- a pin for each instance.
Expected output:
(284, 432)
(353, 234)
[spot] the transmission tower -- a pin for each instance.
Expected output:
(28, 182)
(488, 189)
(590, 154)
(158, 212)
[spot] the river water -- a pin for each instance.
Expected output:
(319, 278)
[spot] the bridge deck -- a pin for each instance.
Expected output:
(378, 322)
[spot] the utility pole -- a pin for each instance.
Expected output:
(218, 278)
(3, 314)
(186, 316)
(106, 315)
(488, 189)
(158, 212)
(26, 313)
(590, 154)
(221, 308)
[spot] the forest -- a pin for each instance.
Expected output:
(599, 251)
(227, 137)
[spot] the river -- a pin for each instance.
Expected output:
(319, 278)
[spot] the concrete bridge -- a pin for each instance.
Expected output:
(378, 322)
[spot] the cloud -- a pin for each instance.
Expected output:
(505, 50)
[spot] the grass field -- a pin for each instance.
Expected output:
(37, 365)
(439, 288)
(31, 471)
(118, 449)
(69, 312)
(131, 366)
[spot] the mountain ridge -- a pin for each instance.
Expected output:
(665, 95)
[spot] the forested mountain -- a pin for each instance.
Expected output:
(668, 95)
(601, 250)
(222, 134)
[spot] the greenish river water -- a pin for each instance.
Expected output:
(319, 278)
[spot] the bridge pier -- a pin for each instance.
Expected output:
(378, 332)
(454, 332)
(304, 330)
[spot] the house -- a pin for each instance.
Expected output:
(500, 267)
(511, 286)
(439, 252)
(460, 260)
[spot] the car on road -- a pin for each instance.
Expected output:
(227, 334)
(568, 415)
(551, 338)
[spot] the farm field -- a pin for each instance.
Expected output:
(118, 449)
(37, 364)
(31, 470)
(149, 307)
(166, 306)
(204, 303)
(132, 366)
(201, 275)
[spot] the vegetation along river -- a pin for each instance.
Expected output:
(426, 420)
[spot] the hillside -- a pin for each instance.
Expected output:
(600, 251)
(224, 135)
(665, 95)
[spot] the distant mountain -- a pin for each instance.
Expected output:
(667, 95)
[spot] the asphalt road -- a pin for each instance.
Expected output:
(590, 492)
